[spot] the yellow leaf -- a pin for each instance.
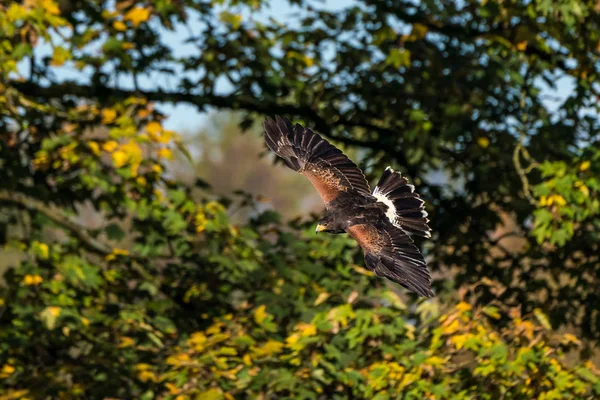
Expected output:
(584, 166)
(463, 307)
(147, 376)
(50, 7)
(212, 394)
(165, 153)
(115, 253)
(522, 46)
(49, 316)
(141, 181)
(197, 340)
(15, 394)
(32, 280)
(321, 298)
(137, 15)
(107, 14)
(94, 147)
(556, 199)
(418, 31)
(172, 388)
(153, 128)
(527, 327)
(247, 359)
(234, 20)
(362, 271)
(308, 329)
(200, 221)
(40, 249)
(54, 311)
(542, 318)
(459, 340)
(214, 207)
(143, 366)
(131, 153)
(570, 338)
(435, 361)
(268, 349)
(126, 341)
(157, 168)
(59, 56)
(110, 146)
(178, 359)
(407, 379)
(451, 327)
(7, 369)
(119, 25)
(85, 321)
(260, 314)
(483, 142)
(120, 158)
(108, 115)
(292, 339)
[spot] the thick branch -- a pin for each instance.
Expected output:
(89, 242)
(56, 215)
(60, 218)
(234, 102)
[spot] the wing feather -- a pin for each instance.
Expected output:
(329, 170)
(390, 253)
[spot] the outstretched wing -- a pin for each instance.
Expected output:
(390, 252)
(304, 151)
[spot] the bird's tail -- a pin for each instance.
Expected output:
(405, 207)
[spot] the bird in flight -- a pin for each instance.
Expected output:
(381, 221)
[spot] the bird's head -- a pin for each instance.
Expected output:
(329, 224)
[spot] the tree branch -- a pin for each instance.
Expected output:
(56, 215)
(60, 218)
(88, 241)
(234, 102)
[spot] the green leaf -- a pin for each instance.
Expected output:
(114, 232)
(542, 318)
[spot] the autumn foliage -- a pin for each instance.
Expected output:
(159, 295)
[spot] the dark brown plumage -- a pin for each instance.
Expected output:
(380, 222)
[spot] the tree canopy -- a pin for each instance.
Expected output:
(166, 298)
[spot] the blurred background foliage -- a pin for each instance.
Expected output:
(140, 262)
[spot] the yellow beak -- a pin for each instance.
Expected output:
(320, 228)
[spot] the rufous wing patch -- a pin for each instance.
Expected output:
(367, 236)
(327, 184)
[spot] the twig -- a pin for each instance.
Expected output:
(522, 172)
(520, 150)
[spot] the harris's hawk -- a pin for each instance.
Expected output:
(381, 221)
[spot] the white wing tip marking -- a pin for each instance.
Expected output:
(388, 168)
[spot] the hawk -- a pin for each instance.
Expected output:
(381, 221)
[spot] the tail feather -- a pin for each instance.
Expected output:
(406, 209)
